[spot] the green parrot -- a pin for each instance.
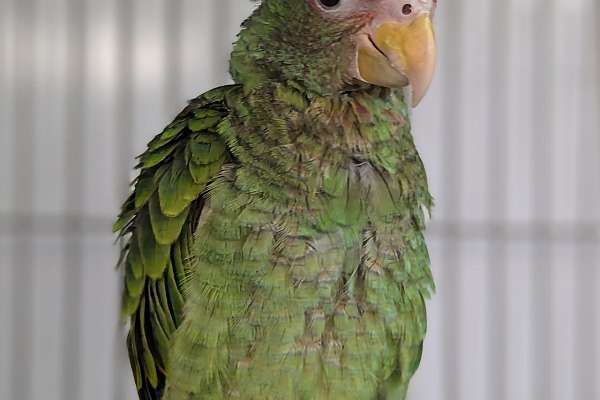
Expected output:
(273, 240)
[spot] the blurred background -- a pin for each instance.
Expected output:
(510, 133)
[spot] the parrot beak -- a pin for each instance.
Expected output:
(398, 55)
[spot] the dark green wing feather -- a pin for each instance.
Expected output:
(157, 224)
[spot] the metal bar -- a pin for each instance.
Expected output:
(595, 300)
(124, 96)
(75, 166)
(22, 255)
(586, 348)
(173, 15)
(497, 322)
(576, 233)
(542, 204)
(221, 42)
(452, 94)
(6, 101)
(125, 24)
(581, 260)
(47, 225)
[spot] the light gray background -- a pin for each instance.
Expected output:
(510, 134)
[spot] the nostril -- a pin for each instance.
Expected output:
(407, 9)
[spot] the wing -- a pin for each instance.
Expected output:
(157, 223)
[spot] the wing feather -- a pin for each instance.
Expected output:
(157, 222)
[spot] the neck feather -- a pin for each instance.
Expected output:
(283, 133)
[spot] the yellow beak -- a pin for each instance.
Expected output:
(399, 55)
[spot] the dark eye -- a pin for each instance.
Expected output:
(329, 3)
(407, 9)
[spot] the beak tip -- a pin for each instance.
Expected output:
(415, 100)
(417, 96)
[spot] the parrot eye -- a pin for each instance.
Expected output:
(407, 9)
(329, 3)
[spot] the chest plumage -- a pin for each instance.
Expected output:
(310, 286)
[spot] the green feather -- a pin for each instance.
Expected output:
(167, 136)
(127, 214)
(159, 335)
(143, 189)
(134, 284)
(133, 356)
(204, 119)
(177, 189)
(129, 303)
(134, 260)
(175, 295)
(153, 255)
(155, 157)
(205, 149)
(147, 359)
(166, 230)
(291, 97)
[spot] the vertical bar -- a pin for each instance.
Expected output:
(221, 21)
(542, 204)
(76, 15)
(595, 319)
(125, 18)
(7, 225)
(586, 347)
(596, 61)
(22, 257)
(173, 15)
(125, 25)
(582, 261)
(498, 200)
(452, 92)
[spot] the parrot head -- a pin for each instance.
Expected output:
(335, 46)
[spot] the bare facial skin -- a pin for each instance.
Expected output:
(396, 48)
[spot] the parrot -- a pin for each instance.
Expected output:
(273, 242)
